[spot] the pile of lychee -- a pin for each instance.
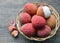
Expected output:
(12, 28)
(36, 21)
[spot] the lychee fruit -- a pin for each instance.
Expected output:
(14, 33)
(51, 21)
(43, 11)
(44, 32)
(38, 21)
(40, 11)
(11, 28)
(30, 8)
(28, 29)
(24, 18)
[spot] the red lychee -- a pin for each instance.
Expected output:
(11, 28)
(30, 8)
(24, 18)
(38, 21)
(28, 29)
(44, 32)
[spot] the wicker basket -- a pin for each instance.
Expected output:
(53, 32)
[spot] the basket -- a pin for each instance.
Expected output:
(53, 32)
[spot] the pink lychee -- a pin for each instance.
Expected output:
(38, 21)
(28, 29)
(44, 32)
(24, 17)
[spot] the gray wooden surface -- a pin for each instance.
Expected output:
(9, 10)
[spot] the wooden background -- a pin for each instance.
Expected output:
(9, 10)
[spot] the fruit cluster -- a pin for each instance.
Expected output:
(12, 28)
(37, 20)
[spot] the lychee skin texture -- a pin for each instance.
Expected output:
(51, 21)
(28, 30)
(44, 32)
(30, 8)
(38, 21)
(24, 18)
(11, 28)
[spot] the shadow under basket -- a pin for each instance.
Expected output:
(53, 32)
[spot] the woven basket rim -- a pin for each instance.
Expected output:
(40, 39)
